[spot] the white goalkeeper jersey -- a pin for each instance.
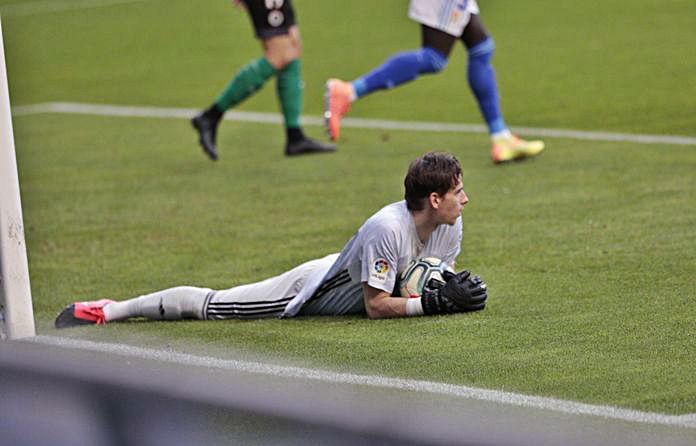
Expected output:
(383, 246)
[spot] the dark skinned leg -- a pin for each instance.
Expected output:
(437, 40)
(474, 32)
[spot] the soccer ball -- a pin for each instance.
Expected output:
(411, 281)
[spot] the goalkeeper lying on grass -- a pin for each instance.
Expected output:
(359, 280)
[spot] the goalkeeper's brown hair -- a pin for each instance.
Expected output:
(433, 172)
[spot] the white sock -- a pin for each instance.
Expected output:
(116, 311)
(501, 134)
(353, 94)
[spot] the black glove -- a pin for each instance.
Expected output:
(461, 292)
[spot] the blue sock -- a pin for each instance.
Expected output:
(482, 82)
(400, 68)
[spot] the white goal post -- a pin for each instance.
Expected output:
(15, 293)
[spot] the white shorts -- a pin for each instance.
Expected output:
(450, 16)
(267, 298)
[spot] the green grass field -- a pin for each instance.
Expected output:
(589, 251)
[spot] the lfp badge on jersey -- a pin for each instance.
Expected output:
(379, 270)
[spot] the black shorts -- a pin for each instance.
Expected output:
(270, 17)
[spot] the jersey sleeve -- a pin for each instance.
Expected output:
(379, 260)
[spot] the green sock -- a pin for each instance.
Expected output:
(245, 83)
(290, 89)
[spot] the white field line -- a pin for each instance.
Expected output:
(50, 6)
(494, 396)
(258, 117)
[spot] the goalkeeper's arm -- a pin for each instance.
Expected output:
(461, 293)
(381, 304)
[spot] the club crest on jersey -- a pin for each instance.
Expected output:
(380, 269)
(275, 18)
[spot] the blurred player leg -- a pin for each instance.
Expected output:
(396, 70)
(337, 98)
(481, 75)
(245, 83)
(290, 91)
(513, 148)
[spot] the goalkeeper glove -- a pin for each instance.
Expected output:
(460, 293)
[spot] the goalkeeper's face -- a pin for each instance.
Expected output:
(451, 203)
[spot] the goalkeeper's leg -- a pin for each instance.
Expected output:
(182, 302)
(267, 298)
